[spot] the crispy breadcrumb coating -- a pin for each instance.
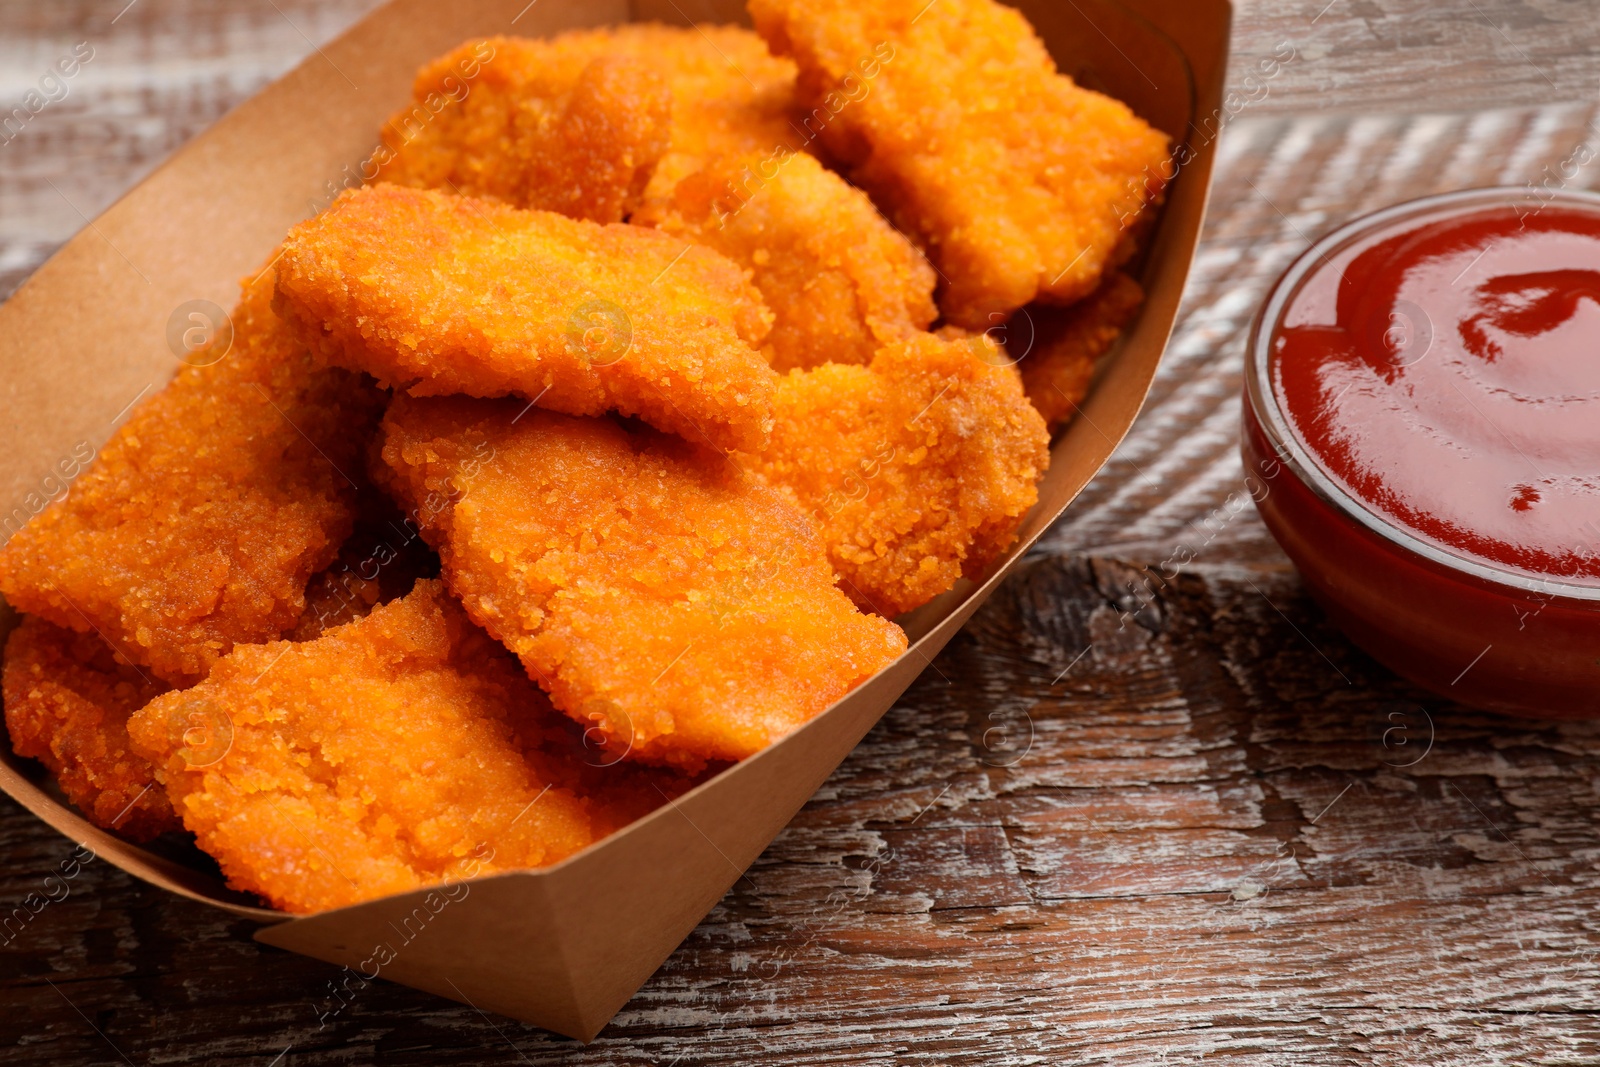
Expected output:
(1017, 182)
(730, 96)
(841, 282)
(489, 117)
(652, 589)
(534, 124)
(1067, 342)
(442, 294)
(206, 512)
(67, 703)
(379, 758)
(917, 469)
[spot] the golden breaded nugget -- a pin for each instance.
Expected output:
(381, 563)
(207, 511)
(1068, 341)
(537, 124)
(1018, 183)
(917, 469)
(379, 758)
(730, 96)
(841, 282)
(442, 294)
(67, 704)
(653, 590)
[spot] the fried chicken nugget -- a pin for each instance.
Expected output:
(841, 282)
(730, 96)
(67, 703)
(441, 294)
(1069, 341)
(497, 118)
(1018, 182)
(207, 511)
(684, 612)
(534, 124)
(917, 469)
(377, 759)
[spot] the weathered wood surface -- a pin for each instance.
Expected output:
(165, 69)
(1125, 818)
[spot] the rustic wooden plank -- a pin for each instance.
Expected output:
(159, 74)
(1124, 819)
(165, 69)
(1388, 55)
(1208, 844)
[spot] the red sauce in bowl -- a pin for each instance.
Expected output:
(1422, 412)
(1448, 375)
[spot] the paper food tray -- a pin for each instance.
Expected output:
(564, 947)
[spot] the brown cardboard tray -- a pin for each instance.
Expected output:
(564, 947)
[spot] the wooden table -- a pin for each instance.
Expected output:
(1122, 819)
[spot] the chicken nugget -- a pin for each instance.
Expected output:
(683, 611)
(491, 112)
(205, 514)
(730, 96)
(534, 124)
(917, 469)
(1018, 183)
(841, 282)
(377, 759)
(67, 703)
(441, 294)
(1067, 343)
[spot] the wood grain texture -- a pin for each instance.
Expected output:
(1388, 55)
(160, 73)
(1125, 818)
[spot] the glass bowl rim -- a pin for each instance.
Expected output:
(1263, 402)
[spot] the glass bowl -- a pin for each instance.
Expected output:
(1461, 626)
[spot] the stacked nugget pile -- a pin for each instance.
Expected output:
(593, 446)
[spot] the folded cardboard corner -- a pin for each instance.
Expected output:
(564, 947)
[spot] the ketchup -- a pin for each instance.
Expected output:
(1447, 375)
